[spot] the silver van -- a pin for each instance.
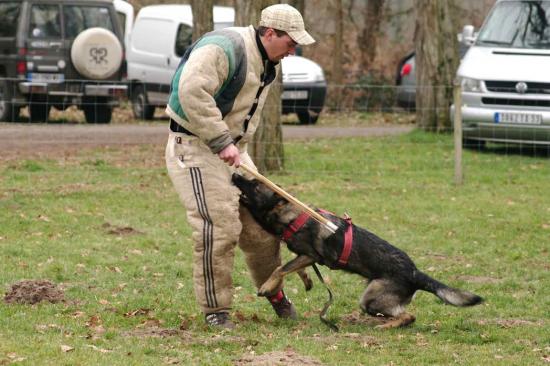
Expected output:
(505, 75)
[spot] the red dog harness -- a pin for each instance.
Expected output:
(301, 220)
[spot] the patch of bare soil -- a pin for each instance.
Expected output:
(511, 323)
(120, 230)
(279, 358)
(33, 292)
(479, 279)
(357, 318)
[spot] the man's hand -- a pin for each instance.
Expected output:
(230, 154)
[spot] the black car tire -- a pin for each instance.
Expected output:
(307, 118)
(8, 112)
(140, 105)
(473, 144)
(97, 110)
(39, 110)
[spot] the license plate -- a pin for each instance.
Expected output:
(294, 94)
(519, 118)
(46, 78)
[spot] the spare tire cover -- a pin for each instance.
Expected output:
(96, 53)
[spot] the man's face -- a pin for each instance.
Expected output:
(278, 47)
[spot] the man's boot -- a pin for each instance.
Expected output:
(219, 320)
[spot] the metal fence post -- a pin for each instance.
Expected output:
(457, 96)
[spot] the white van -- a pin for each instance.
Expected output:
(161, 35)
(505, 75)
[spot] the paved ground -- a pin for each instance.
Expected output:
(50, 139)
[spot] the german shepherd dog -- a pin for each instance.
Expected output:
(392, 276)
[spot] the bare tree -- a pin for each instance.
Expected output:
(436, 63)
(267, 147)
(203, 18)
(298, 4)
(368, 40)
(337, 72)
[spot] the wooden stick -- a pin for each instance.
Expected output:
(320, 219)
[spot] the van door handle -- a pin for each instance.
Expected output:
(168, 61)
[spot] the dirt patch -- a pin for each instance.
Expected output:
(512, 323)
(120, 230)
(279, 358)
(33, 292)
(157, 332)
(479, 279)
(357, 318)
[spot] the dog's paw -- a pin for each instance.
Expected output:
(308, 283)
(267, 290)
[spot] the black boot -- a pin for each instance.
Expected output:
(219, 320)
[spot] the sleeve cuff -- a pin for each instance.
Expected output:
(219, 143)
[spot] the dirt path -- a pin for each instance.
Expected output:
(53, 139)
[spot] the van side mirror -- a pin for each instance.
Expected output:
(467, 36)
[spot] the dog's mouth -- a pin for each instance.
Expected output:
(244, 200)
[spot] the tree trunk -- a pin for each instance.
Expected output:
(298, 4)
(266, 149)
(368, 40)
(337, 72)
(436, 63)
(203, 18)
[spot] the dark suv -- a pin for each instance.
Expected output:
(60, 53)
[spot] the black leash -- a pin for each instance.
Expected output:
(323, 314)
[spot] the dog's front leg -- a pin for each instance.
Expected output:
(274, 282)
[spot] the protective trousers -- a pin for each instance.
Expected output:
(218, 222)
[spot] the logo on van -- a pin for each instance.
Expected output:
(521, 87)
(98, 54)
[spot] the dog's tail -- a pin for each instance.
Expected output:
(449, 295)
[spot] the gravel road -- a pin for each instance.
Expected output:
(52, 139)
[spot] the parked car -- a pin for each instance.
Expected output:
(406, 79)
(505, 78)
(60, 53)
(161, 35)
(406, 82)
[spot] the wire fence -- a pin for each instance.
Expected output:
(516, 127)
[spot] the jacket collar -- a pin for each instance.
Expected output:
(262, 50)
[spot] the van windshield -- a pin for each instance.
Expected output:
(517, 24)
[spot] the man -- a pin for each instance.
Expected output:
(218, 92)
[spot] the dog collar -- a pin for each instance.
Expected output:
(295, 225)
(301, 220)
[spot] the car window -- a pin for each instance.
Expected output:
(122, 20)
(45, 21)
(9, 12)
(183, 39)
(78, 18)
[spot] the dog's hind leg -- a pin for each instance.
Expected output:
(384, 297)
(308, 283)
(274, 282)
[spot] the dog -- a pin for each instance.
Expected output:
(392, 276)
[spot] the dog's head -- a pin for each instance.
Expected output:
(270, 210)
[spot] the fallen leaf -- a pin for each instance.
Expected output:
(102, 350)
(66, 348)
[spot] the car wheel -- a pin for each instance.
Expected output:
(140, 105)
(307, 118)
(39, 110)
(96, 53)
(8, 112)
(97, 110)
(473, 144)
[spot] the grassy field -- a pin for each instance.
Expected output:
(106, 226)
